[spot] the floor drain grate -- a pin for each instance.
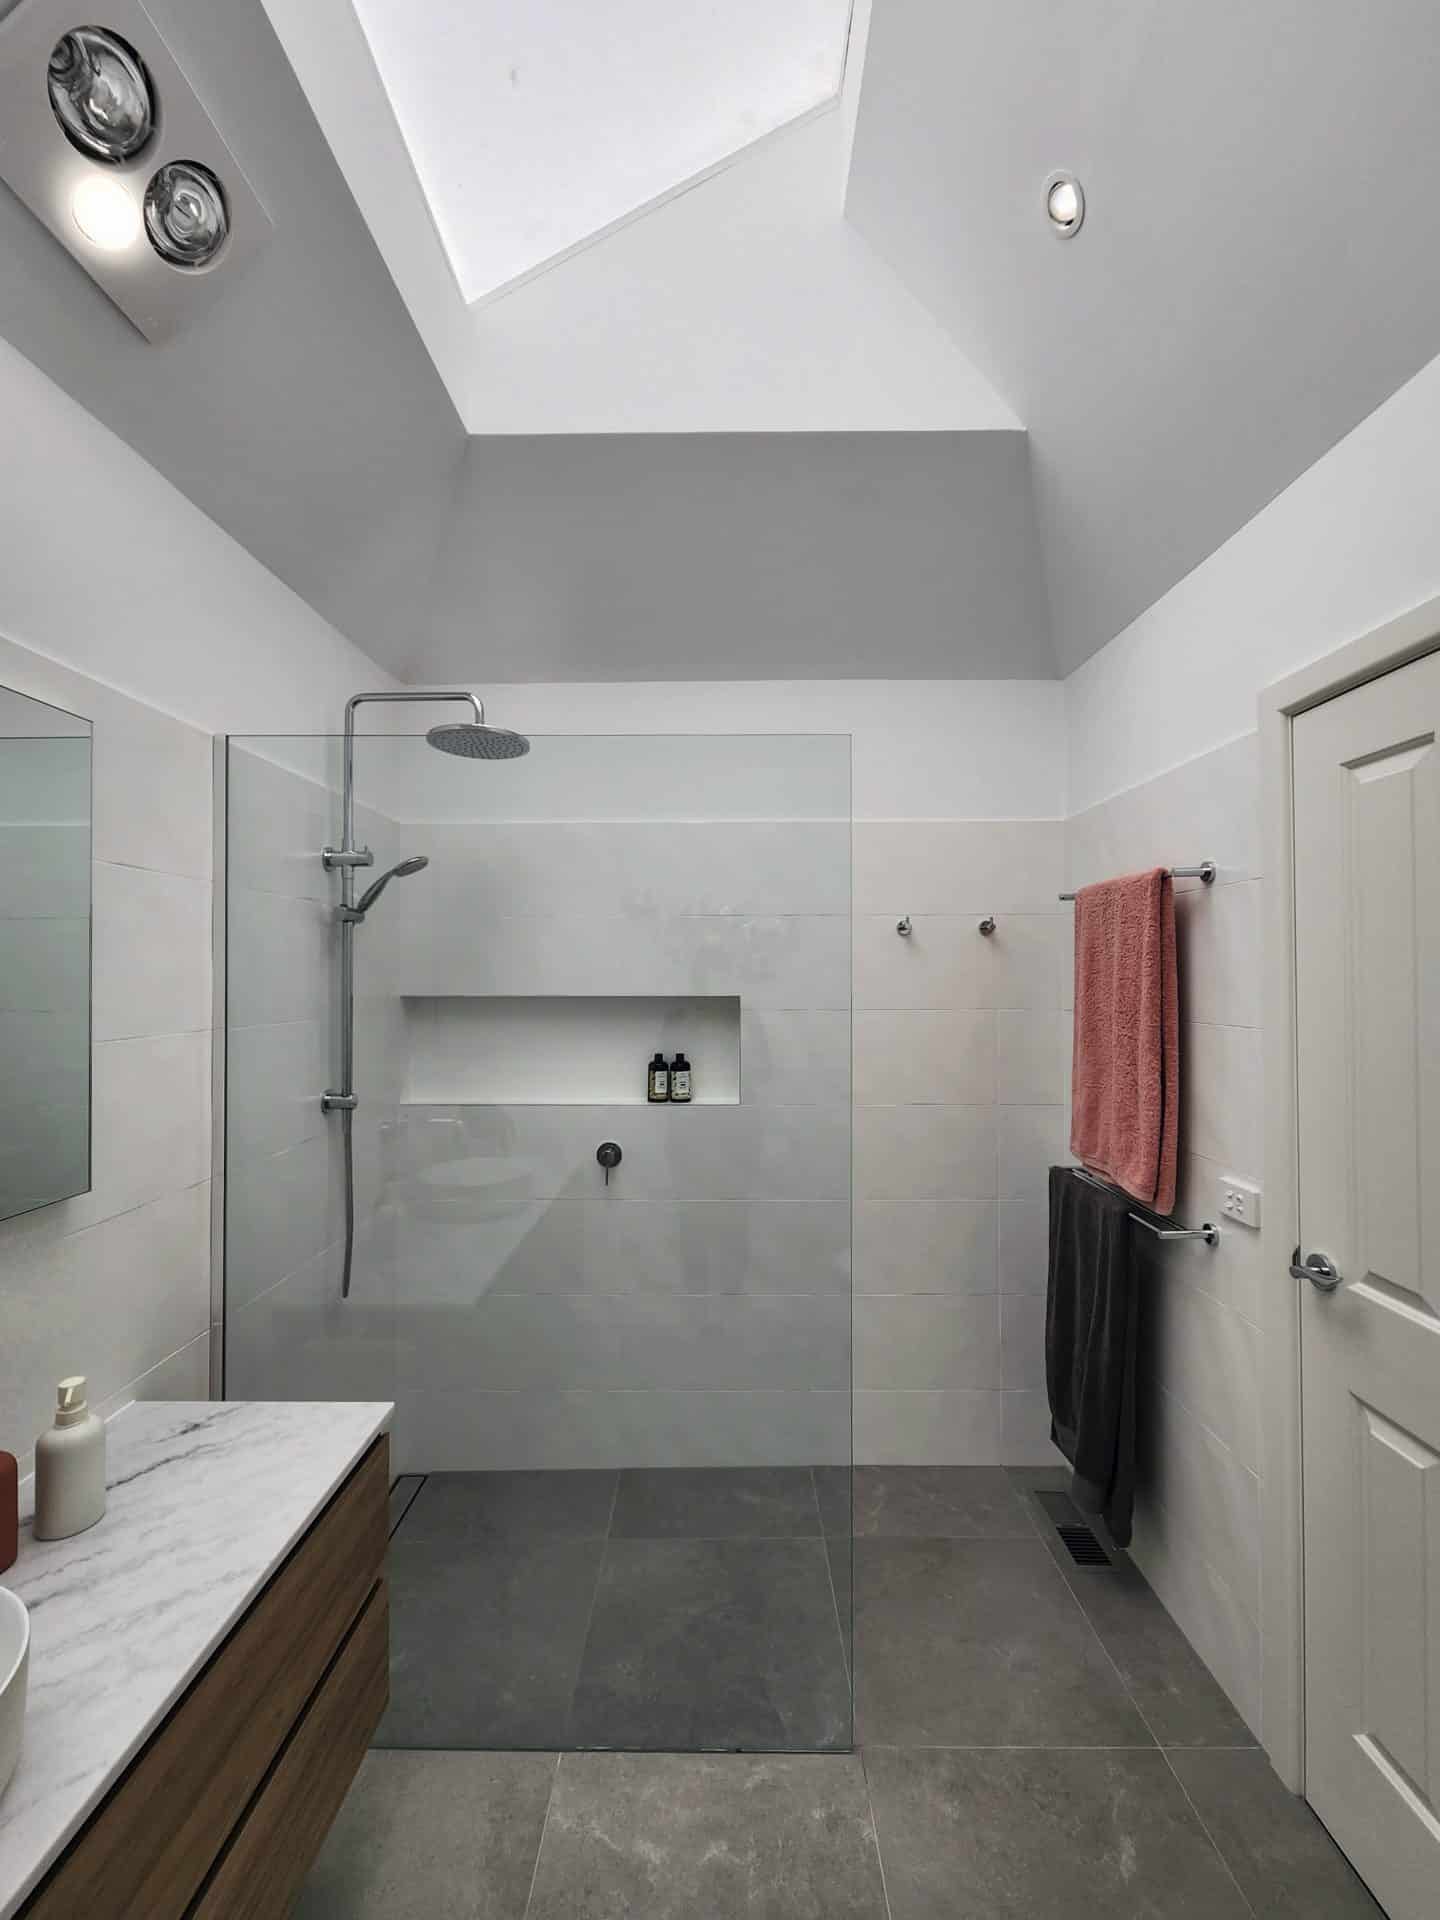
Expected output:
(1084, 1549)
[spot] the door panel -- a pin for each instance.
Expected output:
(1367, 880)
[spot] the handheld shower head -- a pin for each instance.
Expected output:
(402, 868)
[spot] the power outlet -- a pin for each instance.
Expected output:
(1239, 1201)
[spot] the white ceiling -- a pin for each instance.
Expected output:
(537, 125)
(1255, 274)
(746, 305)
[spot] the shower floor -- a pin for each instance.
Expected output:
(662, 1609)
(1036, 1739)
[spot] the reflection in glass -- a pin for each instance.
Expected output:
(44, 954)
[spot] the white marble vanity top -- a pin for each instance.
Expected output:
(206, 1499)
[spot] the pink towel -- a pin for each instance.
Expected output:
(1125, 1098)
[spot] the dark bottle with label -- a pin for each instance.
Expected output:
(657, 1082)
(681, 1080)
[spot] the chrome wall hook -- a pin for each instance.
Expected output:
(904, 928)
(987, 925)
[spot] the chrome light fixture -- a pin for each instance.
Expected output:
(185, 214)
(100, 94)
(104, 139)
(1065, 205)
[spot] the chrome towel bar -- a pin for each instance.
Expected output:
(1205, 871)
(1209, 1233)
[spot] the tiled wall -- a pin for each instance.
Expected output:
(115, 1284)
(961, 1067)
(1197, 1528)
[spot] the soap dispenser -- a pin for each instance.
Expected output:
(657, 1081)
(70, 1467)
(681, 1082)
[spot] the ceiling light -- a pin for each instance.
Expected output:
(1065, 204)
(185, 214)
(100, 94)
(105, 213)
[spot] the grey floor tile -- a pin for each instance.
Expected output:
(433, 1836)
(713, 1644)
(1042, 1836)
(1181, 1700)
(512, 1506)
(960, 1503)
(719, 1837)
(1183, 1703)
(979, 1643)
(485, 1640)
(715, 1503)
(402, 1493)
(834, 1490)
(1283, 1858)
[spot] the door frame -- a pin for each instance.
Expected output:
(1282, 1569)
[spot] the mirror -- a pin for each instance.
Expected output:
(44, 954)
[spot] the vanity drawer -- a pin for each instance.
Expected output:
(146, 1852)
(275, 1844)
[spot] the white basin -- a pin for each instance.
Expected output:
(14, 1671)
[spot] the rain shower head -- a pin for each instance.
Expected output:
(474, 740)
(415, 864)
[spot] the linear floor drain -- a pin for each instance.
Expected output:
(1084, 1549)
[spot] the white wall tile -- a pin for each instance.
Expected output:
(925, 1246)
(274, 1078)
(1207, 1611)
(1024, 1245)
(281, 957)
(152, 953)
(1030, 1058)
(947, 962)
(794, 1057)
(1205, 1355)
(1222, 1108)
(1031, 1140)
(959, 1427)
(927, 1341)
(1218, 938)
(1025, 1430)
(958, 866)
(924, 1153)
(110, 1301)
(153, 777)
(922, 1056)
(1022, 1341)
(1185, 1469)
(150, 1123)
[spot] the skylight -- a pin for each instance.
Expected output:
(535, 125)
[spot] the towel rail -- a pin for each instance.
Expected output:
(1209, 1233)
(1205, 871)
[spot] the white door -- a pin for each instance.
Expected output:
(1367, 958)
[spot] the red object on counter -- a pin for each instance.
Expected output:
(9, 1510)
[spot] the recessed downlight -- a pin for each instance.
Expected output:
(100, 94)
(1065, 204)
(105, 212)
(185, 214)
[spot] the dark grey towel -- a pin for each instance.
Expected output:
(1090, 1319)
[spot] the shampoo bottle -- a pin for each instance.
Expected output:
(681, 1082)
(657, 1081)
(70, 1467)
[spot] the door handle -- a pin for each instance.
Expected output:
(1318, 1268)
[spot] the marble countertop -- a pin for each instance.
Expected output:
(206, 1499)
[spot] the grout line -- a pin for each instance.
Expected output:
(539, 1844)
(875, 1830)
(1157, 1746)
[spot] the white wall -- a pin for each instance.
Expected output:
(923, 749)
(1164, 767)
(110, 580)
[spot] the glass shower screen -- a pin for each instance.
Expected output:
(617, 1330)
